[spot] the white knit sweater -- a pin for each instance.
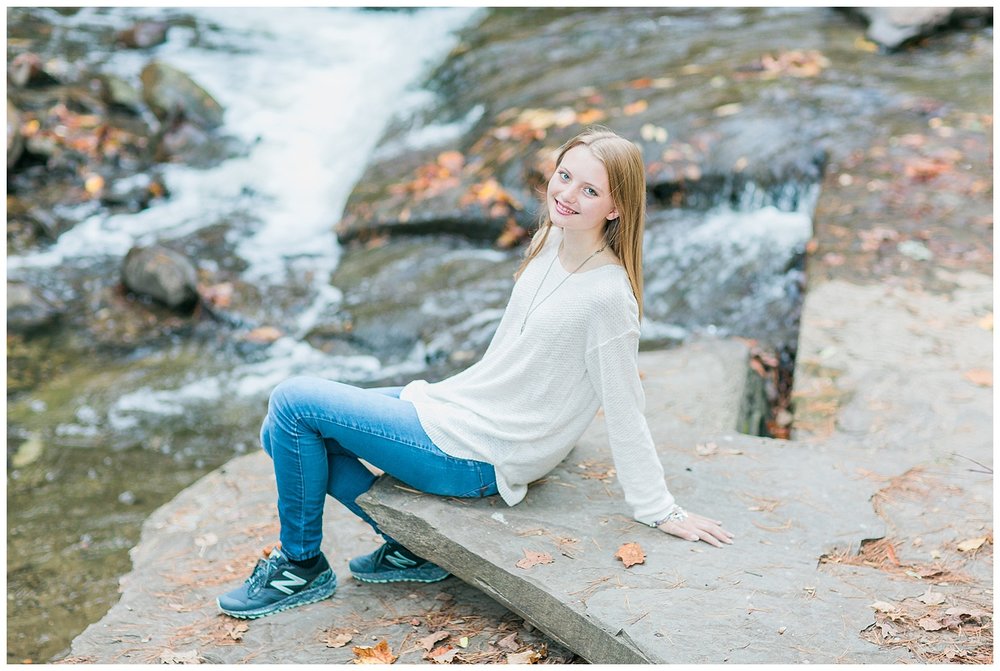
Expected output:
(523, 406)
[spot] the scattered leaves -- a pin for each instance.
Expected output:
(931, 598)
(796, 63)
(638, 107)
(532, 558)
(508, 643)
(379, 654)
(630, 554)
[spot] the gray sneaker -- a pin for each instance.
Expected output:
(277, 584)
(394, 563)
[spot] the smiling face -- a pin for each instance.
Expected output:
(578, 196)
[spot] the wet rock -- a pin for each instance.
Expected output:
(893, 27)
(15, 143)
(162, 274)
(170, 93)
(133, 194)
(117, 92)
(28, 309)
(27, 69)
(711, 132)
(143, 35)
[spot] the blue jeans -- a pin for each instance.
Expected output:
(316, 431)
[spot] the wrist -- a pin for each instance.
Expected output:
(674, 514)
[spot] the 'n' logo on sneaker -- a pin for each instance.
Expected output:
(287, 585)
(399, 561)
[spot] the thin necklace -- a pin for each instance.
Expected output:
(545, 277)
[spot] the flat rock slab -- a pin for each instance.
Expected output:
(206, 541)
(764, 599)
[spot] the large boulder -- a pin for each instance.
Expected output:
(170, 92)
(161, 274)
(894, 26)
(28, 309)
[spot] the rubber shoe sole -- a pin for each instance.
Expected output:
(327, 585)
(430, 574)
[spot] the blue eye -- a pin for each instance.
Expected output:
(590, 191)
(563, 174)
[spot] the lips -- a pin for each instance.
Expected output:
(563, 210)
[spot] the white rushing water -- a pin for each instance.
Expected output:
(310, 91)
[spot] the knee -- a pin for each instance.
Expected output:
(289, 393)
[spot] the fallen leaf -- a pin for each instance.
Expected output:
(971, 544)
(508, 643)
(451, 160)
(531, 558)
(932, 624)
(443, 655)
(527, 657)
(630, 553)
(463, 642)
(589, 116)
(183, 657)
(427, 642)
(263, 335)
(981, 376)
(931, 598)
(706, 449)
(967, 611)
(638, 107)
(236, 631)
(882, 607)
(379, 654)
(337, 639)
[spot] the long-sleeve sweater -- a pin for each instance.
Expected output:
(524, 405)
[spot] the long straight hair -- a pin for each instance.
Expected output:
(627, 179)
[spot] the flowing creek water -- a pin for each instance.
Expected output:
(94, 449)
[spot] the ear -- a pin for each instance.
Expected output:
(613, 214)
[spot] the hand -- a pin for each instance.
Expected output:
(695, 528)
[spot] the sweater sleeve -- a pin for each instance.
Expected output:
(613, 369)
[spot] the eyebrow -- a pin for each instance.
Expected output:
(592, 186)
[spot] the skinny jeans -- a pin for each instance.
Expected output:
(317, 431)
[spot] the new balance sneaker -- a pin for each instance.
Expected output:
(277, 584)
(394, 563)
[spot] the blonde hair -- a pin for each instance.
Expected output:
(627, 179)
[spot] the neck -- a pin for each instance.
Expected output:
(578, 245)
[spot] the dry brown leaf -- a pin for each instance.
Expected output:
(451, 160)
(338, 639)
(883, 607)
(427, 642)
(589, 116)
(508, 643)
(931, 598)
(932, 624)
(981, 376)
(972, 544)
(527, 657)
(263, 335)
(183, 657)
(443, 655)
(638, 107)
(379, 654)
(631, 553)
(531, 558)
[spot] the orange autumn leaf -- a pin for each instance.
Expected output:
(380, 654)
(630, 554)
(451, 160)
(641, 83)
(264, 335)
(981, 376)
(442, 655)
(589, 116)
(531, 558)
(638, 107)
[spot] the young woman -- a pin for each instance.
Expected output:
(567, 344)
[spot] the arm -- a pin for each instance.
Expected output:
(612, 367)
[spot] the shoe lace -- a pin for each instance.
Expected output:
(261, 572)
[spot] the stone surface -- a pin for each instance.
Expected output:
(760, 600)
(169, 91)
(893, 26)
(162, 274)
(206, 541)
